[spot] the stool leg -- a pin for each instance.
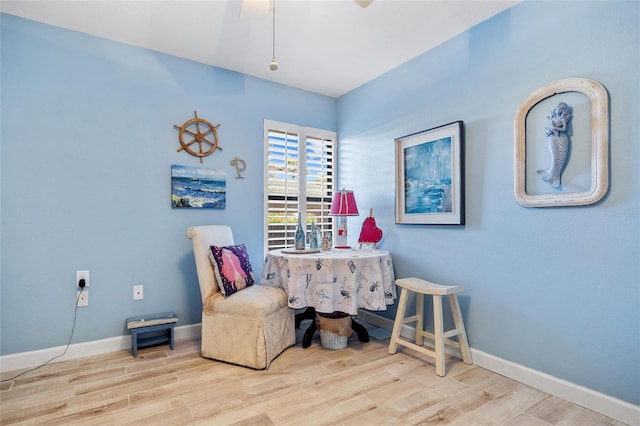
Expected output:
(419, 319)
(438, 331)
(171, 336)
(134, 343)
(397, 325)
(462, 337)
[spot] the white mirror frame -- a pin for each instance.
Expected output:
(599, 144)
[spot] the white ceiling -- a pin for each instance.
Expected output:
(329, 47)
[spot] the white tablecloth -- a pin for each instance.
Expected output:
(337, 280)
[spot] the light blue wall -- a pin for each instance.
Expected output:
(554, 289)
(87, 144)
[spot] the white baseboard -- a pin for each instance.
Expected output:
(79, 350)
(617, 409)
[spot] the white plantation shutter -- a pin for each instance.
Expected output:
(300, 171)
(319, 181)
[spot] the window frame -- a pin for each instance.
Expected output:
(304, 135)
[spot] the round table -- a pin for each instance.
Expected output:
(342, 280)
(332, 282)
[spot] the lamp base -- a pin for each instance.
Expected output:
(341, 240)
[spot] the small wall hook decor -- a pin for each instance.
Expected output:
(240, 166)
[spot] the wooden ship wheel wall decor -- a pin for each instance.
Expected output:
(200, 131)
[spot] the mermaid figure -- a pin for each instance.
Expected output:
(558, 140)
(232, 270)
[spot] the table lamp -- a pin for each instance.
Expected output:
(343, 205)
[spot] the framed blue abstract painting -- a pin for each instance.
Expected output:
(430, 176)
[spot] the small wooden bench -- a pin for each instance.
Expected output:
(147, 330)
(441, 338)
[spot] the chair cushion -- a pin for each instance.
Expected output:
(232, 268)
(257, 301)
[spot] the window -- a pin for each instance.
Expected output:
(300, 167)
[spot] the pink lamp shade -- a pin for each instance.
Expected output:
(344, 204)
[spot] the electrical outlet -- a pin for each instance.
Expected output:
(138, 292)
(83, 298)
(82, 275)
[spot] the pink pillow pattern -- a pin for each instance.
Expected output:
(232, 268)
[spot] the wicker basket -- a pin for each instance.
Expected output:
(331, 340)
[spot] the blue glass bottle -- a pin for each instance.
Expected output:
(313, 236)
(299, 237)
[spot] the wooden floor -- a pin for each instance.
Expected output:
(359, 385)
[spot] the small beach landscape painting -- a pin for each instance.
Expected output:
(430, 176)
(198, 187)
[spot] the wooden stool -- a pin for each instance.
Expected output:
(149, 330)
(421, 287)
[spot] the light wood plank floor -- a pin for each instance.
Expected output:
(359, 385)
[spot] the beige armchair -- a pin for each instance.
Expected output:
(248, 328)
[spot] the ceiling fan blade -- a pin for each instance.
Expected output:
(363, 3)
(255, 8)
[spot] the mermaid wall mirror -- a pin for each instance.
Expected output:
(561, 145)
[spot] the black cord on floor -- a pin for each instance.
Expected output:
(75, 314)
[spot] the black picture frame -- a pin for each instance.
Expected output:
(430, 176)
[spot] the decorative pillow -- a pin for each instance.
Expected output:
(232, 268)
